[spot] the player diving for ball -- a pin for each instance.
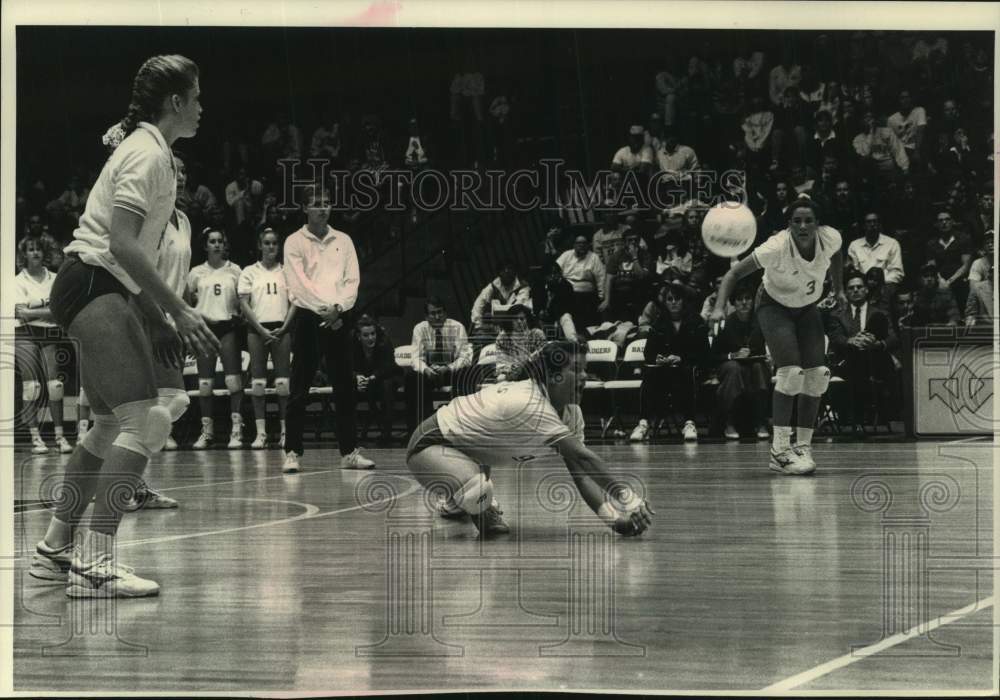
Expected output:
(455, 448)
(795, 263)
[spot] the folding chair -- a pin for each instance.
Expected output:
(602, 365)
(629, 382)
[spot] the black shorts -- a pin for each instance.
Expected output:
(795, 337)
(40, 335)
(270, 325)
(76, 285)
(427, 434)
(224, 328)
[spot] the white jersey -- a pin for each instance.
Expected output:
(175, 254)
(507, 421)
(138, 177)
(789, 279)
(267, 291)
(35, 294)
(216, 290)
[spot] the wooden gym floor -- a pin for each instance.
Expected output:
(874, 574)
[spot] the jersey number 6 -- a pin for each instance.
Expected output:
(218, 290)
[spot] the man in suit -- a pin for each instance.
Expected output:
(861, 340)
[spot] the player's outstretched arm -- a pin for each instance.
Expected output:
(737, 272)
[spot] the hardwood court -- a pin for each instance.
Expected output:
(338, 581)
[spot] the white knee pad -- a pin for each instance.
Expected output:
(31, 390)
(102, 434)
(475, 496)
(144, 426)
(82, 401)
(816, 380)
(205, 387)
(55, 388)
(174, 400)
(258, 387)
(282, 386)
(234, 383)
(789, 380)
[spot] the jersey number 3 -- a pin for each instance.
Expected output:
(811, 287)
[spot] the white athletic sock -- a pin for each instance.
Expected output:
(260, 426)
(35, 434)
(207, 426)
(96, 545)
(59, 431)
(237, 420)
(82, 425)
(283, 425)
(803, 436)
(58, 535)
(782, 438)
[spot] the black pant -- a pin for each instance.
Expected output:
(660, 380)
(308, 342)
(381, 396)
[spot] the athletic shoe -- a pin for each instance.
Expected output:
(490, 522)
(38, 447)
(641, 431)
(51, 564)
(690, 432)
(762, 433)
(806, 454)
(105, 579)
(235, 440)
(146, 497)
(446, 508)
(291, 465)
(204, 440)
(355, 460)
(731, 432)
(63, 445)
(789, 462)
(259, 442)
(170, 445)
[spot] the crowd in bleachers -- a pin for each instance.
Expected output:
(890, 134)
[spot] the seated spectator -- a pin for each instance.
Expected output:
(737, 342)
(844, 212)
(788, 135)
(520, 335)
(909, 123)
(675, 260)
(552, 297)
(372, 152)
(783, 76)
(878, 295)
(902, 309)
(709, 303)
(585, 272)
(281, 139)
(881, 153)
(877, 250)
(655, 133)
(933, 304)
(609, 238)
(635, 155)
(441, 351)
(326, 140)
(961, 163)
(377, 374)
(676, 346)
(73, 199)
(506, 290)
(775, 217)
(982, 267)
(757, 125)
(240, 194)
(861, 340)
(984, 211)
(676, 160)
(825, 143)
(979, 306)
(417, 156)
(952, 255)
(626, 281)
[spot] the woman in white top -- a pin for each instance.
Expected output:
(453, 451)
(795, 263)
(37, 336)
(212, 288)
(111, 260)
(264, 301)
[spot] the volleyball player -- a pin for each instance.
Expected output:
(212, 286)
(112, 259)
(264, 300)
(795, 263)
(36, 336)
(456, 447)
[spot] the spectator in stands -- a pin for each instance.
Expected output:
(961, 163)
(584, 270)
(281, 139)
(757, 125)
(984, 211)
(861, 340)
(909, 123)
(326, 140)
(825, 143)
(468, 90)
(626, 281)
(881, 153)
(668, 87)
(676, 160)
(73, 199)
(775, 217)
(441, 353)
(506, 290)
(553, 300)
(876, 249)
(417, 155)
(979, 306)
(676, 347)
(655, 133)
(844, 211)
(982, 266)
(784, 76)
(377, 374)
(609, 238)
(240, 196)
(952, 255)
(788, 135)
(878, 296)
(675, 261)
(948, 120)
(902, 309)
(520, 335)
(372, 152)
(737, 342)
(635, 155)
(933, 304)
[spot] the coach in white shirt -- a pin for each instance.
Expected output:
(584, 270)
(878, 250)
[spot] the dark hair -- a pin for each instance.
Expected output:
(433, 301)
(208, 231)
(158, 78)
(855, 274)
(804, 202)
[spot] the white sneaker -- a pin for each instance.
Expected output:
(690, 432)
(259, 442)
(105, 579)
(170, 445)
(762, 433)
(805, 453)
(641, 431)
(291, 465)
(63, 445)
(235, 439)
(145, 497)
(446, 508)
(38, 447)
(731, 432)
(203, 441)
(51, 564)
(355, 460)
(789, 462)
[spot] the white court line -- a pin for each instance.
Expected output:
(887, 643)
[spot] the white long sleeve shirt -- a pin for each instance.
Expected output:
(885, 253)
(496, 298)
(586, 275)
(321, 272)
